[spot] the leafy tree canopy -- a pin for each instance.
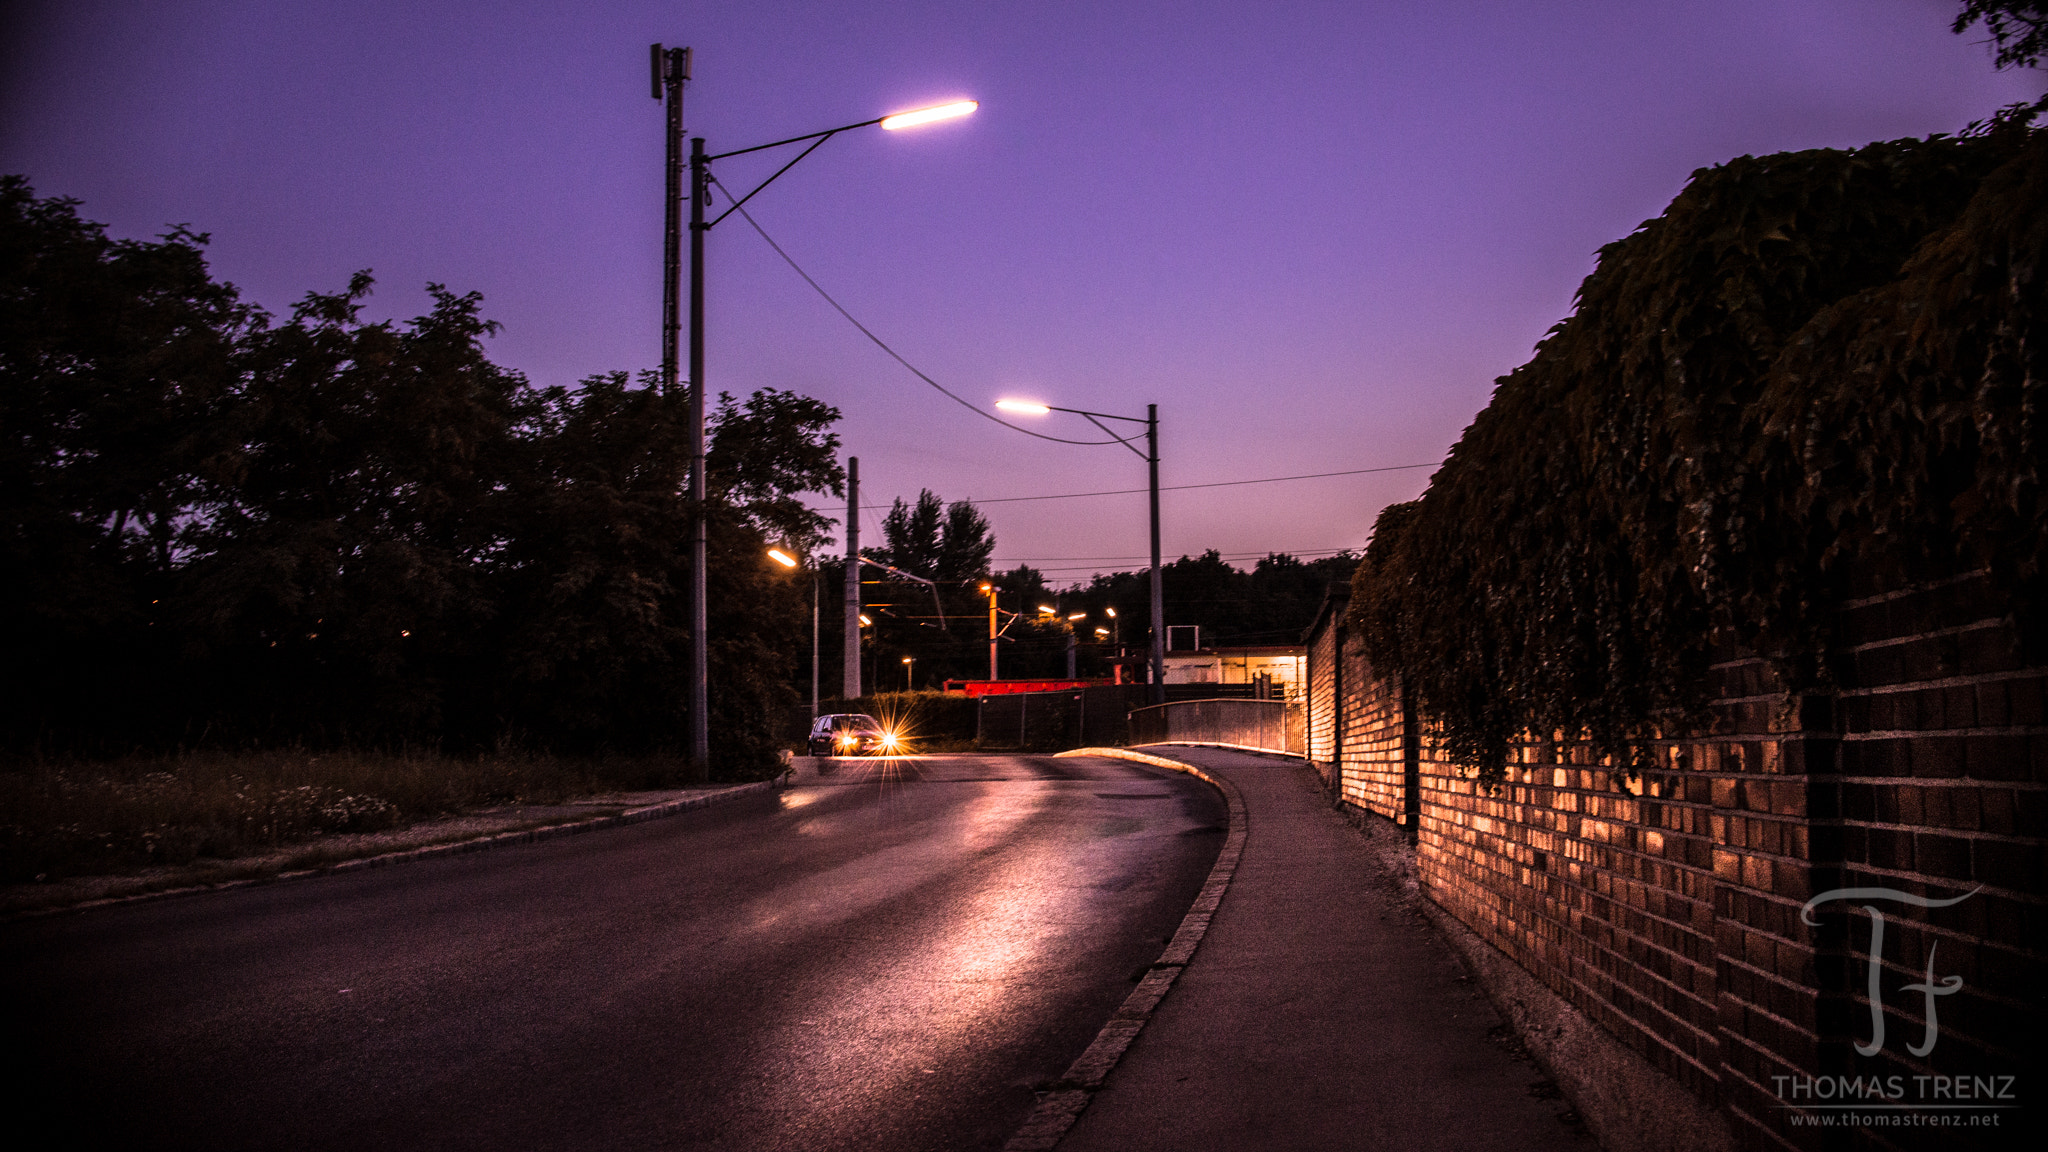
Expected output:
(218, 528)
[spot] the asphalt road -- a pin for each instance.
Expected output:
(887, 957)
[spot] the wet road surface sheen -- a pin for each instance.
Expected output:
(888, 955)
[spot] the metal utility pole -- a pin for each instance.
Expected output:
(671, 73)
(817, 589)
(1151, 457)
(850, 688)
(1158, 582)
(700, 622)
(993, 635)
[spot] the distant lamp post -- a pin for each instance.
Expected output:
(1151, 458)
(990, 589)
(671, 73)
(789, 561)
(907, 662)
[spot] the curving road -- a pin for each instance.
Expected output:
(887, 956)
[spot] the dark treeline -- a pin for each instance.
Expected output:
(222, 530)
(1271, 604)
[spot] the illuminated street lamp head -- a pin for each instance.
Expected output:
(908, 659)
(1023, 407)
(927, 115)
(1111, 611)
(1048, 609)
(782, 558)
(1077, 616)
(1102, 631)
(864, 619)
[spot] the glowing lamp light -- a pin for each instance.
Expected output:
(1111, 611)
(1048, 609)
(927, 115)
(1102, 631)
(1078, 616)
(782, 558)
(1023, 407)
(864, 619)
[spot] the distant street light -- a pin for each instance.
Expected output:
(1151, 458)
(907, 662)
(990, 588)
(671, 74)
(788, 561)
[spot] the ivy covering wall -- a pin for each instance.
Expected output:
(1812, 365)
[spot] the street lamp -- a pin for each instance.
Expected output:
(788, 561)
(1151, 458)
(671, 74)
(990, 589)
(907, 662)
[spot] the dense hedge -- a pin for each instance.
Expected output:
(1811, 363)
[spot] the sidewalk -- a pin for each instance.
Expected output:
(1317, 1012)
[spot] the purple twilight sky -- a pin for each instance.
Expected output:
(1312, 233)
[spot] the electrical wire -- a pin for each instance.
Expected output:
(879, 342)
(1212, 484)
(1167, 488)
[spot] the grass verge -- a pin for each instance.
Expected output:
(66, 820)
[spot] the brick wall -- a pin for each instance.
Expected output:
(1671, 909)
(1324, 672)
(1371, 761)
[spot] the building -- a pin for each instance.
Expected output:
(1283, 666)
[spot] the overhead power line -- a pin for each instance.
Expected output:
(1167, 488)
(1211, 484)
(879, 342)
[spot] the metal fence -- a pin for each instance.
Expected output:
(1267, 725)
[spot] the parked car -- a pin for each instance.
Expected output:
(850, 734)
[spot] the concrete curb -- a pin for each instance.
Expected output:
(430, 851)
(1059, 1108)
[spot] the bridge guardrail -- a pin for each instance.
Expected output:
(1263, 725)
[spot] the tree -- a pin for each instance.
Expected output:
(764, 453)
(951, 546)
(947, 543)
(348, 540)
(116, 359)
(2019, 29)
(332, 531)
(965, 544)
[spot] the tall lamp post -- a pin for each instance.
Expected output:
(788, 561)
(671, 73)
(1151, 458)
